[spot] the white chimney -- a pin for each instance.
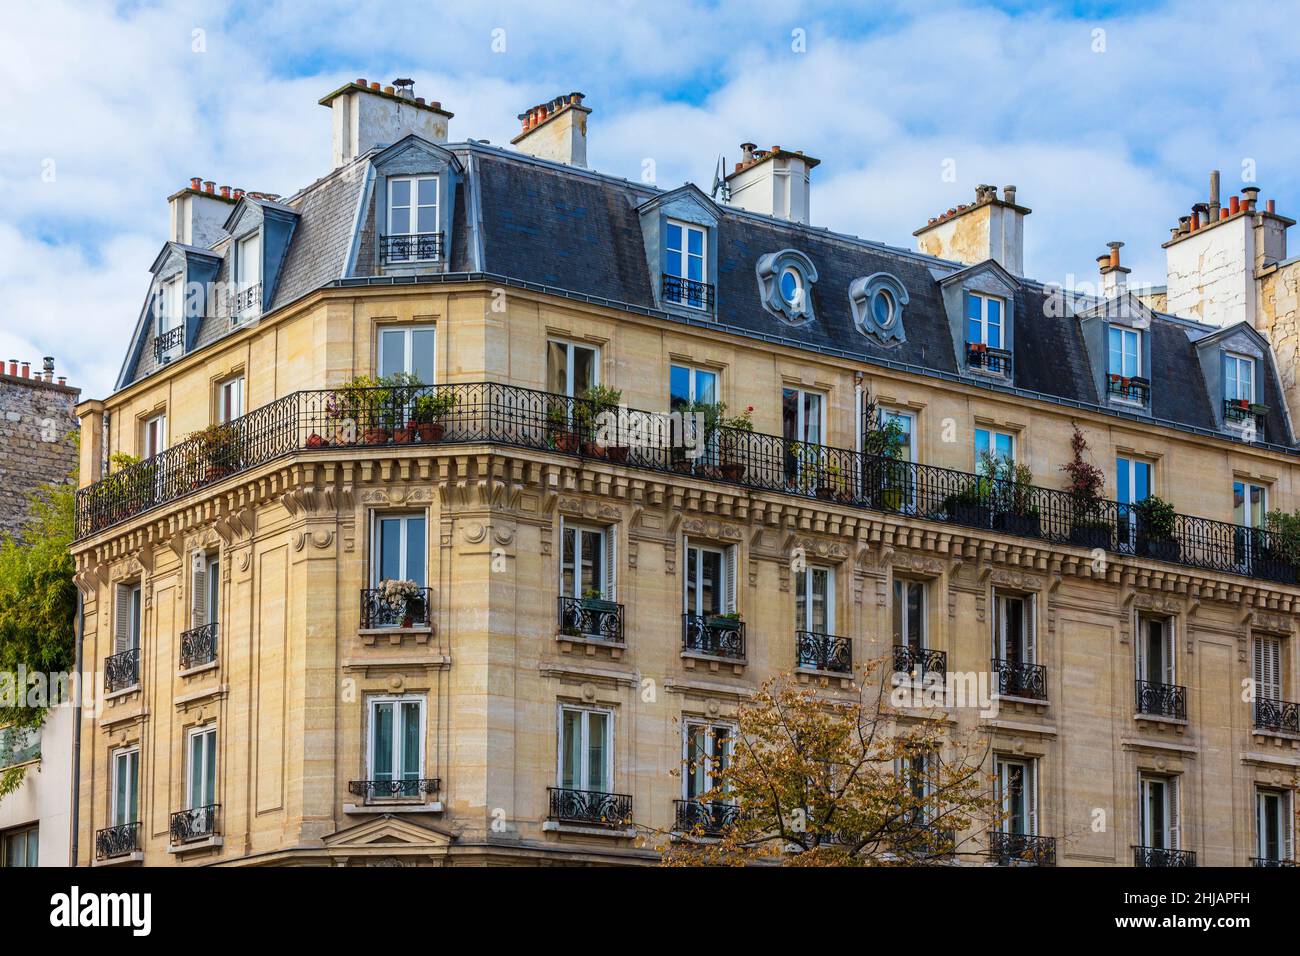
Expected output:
(556, 130)
(198, 212)
(1114, 277)
(988, 228)
(366, 115)
(773, 182)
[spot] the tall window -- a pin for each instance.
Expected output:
(988, 441)
(1155, 650)
(802, 416)
(407, 349)
(1132, 480)
(815, 600)
(397, 743)
(1013, 628)
(687, 384)
(1249, 504)
(412, 205)
(586, 562)
(171, 305)
(154, 436)
(1158, 811)
(124, 802)
(1238, 377)
(909, 614)
(1125, 352)
(571, 369)
(586, 749)
(230, 399)
(1266, 653)
(20, 847)
(707, 751)
(918, 772)
(906, 422)
(399, 552)
(202, 756)
(205, 589)
(248, 261)
(1016, 794)
(126, 625)
(1274, 825)
(710, 580)
(686, 251)
(984, 320)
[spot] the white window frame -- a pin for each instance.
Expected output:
(230, 392)
(1172, 838)
(569, 364)
(709, 727)
(804, 585)
(396, 701)
(171, 305)
(1002, 765)
(1000, 618)
(884, 415)
(1285, 819)
(900, 607)
(584, 777)
(679, 259)
(606, 536)
(246, 276)
(1247, 516)
(801, 413)
(1239, 362)
(994, 434)
(116, 814)
(1125, 336)
(408, 347)
(693, 372)
(413, 209)
(206, 730)
(983, 319)
(695, 570)
(376, 530)
(30, 835)
(155, 427)
(1168, 674)
(129, 595)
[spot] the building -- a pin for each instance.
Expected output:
(37, 446)
(582, 606)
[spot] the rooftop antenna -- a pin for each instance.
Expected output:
(720, 187)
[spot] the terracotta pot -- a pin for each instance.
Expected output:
(682, 466)
(593, 449)
(618, 453)
(316, 441)
(404, 436)
(432, 431)
(733, 470)
(566, 442)
(376, 436)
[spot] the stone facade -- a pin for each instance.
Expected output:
(38, 425)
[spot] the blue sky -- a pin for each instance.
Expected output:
(1106, 116)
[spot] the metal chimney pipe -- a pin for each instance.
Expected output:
(1214, 195)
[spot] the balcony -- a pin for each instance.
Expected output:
(1016, 679)
(401, 789)
(591, 618)
(1281, 716)
(118, 841)
(917, 662)
(122, 670)
(989, 360)
(1268, 861)
(190, 826)
(382, 607)
(689, 292)
(720, 636)
(1129, 389)
(198, 646)
(167, 343)
(415, 247)
(823, 652)
(1239, 413)
(318, 422)
(1161, 700)
(245, 303)
(1159, 857)
(1021, 849)
(589, 807)
(704, 817)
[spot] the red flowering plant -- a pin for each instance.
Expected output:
(1084, 481)
(733, 441)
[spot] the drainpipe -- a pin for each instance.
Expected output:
(76, 732)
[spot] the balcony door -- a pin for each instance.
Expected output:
(1274, 825)
(1016, 795)
(815, 600)
(124, 803)
(399, 552)
(707, 753)
(803, 426)
(586, 562)
(1249, 508)
(909, 614)
(1155, 651)
(1267, 655)
(685, 258)
(396, 756)
(202, 780)
(571, 369)
(1132, 484)
(408, 350)
(1013, 630)
(709, 580)
(586, 749)
(126, 626)
(1158, 812)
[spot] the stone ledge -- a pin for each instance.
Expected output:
(370, 635)
(135, 857)
(713, 661)
(207, 843)
(611, 833)
(200, 669)
(435, 806)
(590, 645)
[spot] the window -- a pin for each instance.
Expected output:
(230, 399)
(126, 625)
(792, 289)
(1013, 628)
(1238, 377)
(710, 578)
(586, 562)
(909, 614)
(918, 773)
(706, 753)
(984, 320)
(1274, 825)
(412, 205)
(171, 305)
(687, 385)
(1249, 504)
(396, 752)
(19, 745)
(248, 261)
(123, 807)
(407, 350)
(205, 589)
(201, 788)
(906, 422)
(1155, 650)
(571, 369)
(399, 548)
(1267, 663)
(815, 600)
(19, 847)
(1001, 444)
(586, 749)
(1016, 795)
(686, 258)
(153, 440)
(1132, 484)
(1158, 811)
(1125, 352)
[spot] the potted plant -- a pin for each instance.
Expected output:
(593, 411)
(1087, 528)
(405, 599)
(594, 600)
(734, 441)
(888, 474)
(427, 412)
(559, 426)
(1013, 509)
(709, 415)
(971, 505)
(1155, 529)
(215, 452)
(1277, 551)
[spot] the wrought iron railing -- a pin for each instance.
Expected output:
(199, 646)
(591, 618)
(347, 419)
(696, 294)
(1133, 389)
(1241, 412)
(413, 247)
(165, 342)
(1162, 700)
(379, 611)
(1274, 714)
(1154, 856)
(244, 302)
(1021, 849)
(122, 670)
(704, 817)
(823, 652)
(988, 359)
(120, 840)
(394, 789)
(919, 661)
(1018, 679)
(594, 807)
(718, 636)
(197, 823)
(1270, 861)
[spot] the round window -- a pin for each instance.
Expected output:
(882, 308)
(792, 286)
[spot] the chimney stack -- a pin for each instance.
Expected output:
(366, 115)
(989, 228)
(556, 130)
(1114, 277)
(197, 214)
(1214, 195)
(773, 182)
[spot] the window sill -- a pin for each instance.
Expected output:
(1180, 724)
(135, 857)
(1279, 737)
(715, 662)
(207, 843)
(582, 829)
(123, 693)
(806, 674)
(1020, 704)
(394, 806)
(370, 635)
(198, 669)
(590, 644)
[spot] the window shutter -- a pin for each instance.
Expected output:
(1175, 837)
(1029, 621)
(611, 563)
(1288, 825)
(729, 560)
(1143, 665)
(559, 577)
(122, 619)
(1031, 797)
(1267, 669)
(198, 588)
(687, 571)
(1171, 647)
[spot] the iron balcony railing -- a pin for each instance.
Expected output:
(394, 789)
(1133, 389)
(719, 636)
(823, 652)
(1162, 700)
(122, 670)
(352, 419)
(1270, 861)
(704, 817)
(167, 342)
(592, 618)
(1274, 714)
(696, 294)
(1021, 849)
(243, 303)
(199, 646)
(379, 611)
(120, 840)
(1238, 411)
(1159, 857)
(1017, 679)
(592, 807)
(412, 247)
(988, 359)
(919, 661)
(197, 823)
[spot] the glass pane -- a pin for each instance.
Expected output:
(801, 604)
(213, 603)
(390, 549)
(584, 369)
(696, 771)
(597, 755)
(570, 748)
(1230, 377)
(1122, 491)
(196, 770)
(415, 550)
(679, 387)
(974, 325)
(1005, 447)
(812, 418)
(210, 768)
(381, 741)
(995, 323)
(706, 386)
(422, 342)
(900, 619)
(411, 740)
(567, 578)
(710, 582)
(1115, 365)
(674, 237)
(593, 561)
(790, 414)
(692, 591)
(1239, 503)
(1155, 652)
(1141, 480)
(820, 603)
(696, 239)
(426, 219)
(557, 368)
(981, 444)
(915, 618)
(392, 351)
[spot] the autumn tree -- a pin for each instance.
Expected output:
(817, 780)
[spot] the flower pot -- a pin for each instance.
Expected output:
(1273, 566)
(682, 466)
(825, 492)
(1162, 549)
(890, 499)
(566, 442)
(404, 436)
(431, 431)
(1091, 536)
(977, 515)
(593, 449)
(407, 620)
(617, 453)
(376, 436)
(733, 470)
(708, 471)
(316, 441)
(1025, 525)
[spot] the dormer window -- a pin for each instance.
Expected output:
(686, 266)
(785, 282)
(792, 287)
(985, 339)
(1240, 410)
(413, 234)
(248, 277)
(877, 303)
(169, 337)
(1124, 377)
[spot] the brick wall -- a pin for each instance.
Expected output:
(37, 441)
